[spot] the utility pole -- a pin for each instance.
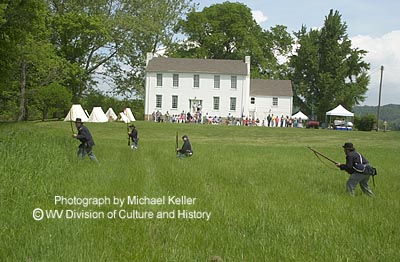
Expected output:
(379, 101)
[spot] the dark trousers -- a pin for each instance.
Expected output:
(135, 142)
(85, 149)
(357, 178)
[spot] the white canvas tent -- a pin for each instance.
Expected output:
(75, 112)
(128, 113)
(97, 115)
(124, 118)
(339, 111)
(110, 114)
(300, 115)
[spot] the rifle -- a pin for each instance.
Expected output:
(72, 128)
(176, 142)
(324, 156)
(129, 138)
(126, 120)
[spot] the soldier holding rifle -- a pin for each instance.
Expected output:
(133, 135)
(85, 137)
(356, 165)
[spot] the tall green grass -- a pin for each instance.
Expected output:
(271, 199)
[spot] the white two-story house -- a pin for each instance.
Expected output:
(216, 87)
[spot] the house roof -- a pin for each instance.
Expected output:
(192, 65)
(266, 87)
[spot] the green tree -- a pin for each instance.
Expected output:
(28, 58)
(3, 7)
(365, 123)
(93, 98)
(228, 31)
(86, 35)
(54, 97)
(110, 39)
(147, 27)
(326, 70)
(73, 43)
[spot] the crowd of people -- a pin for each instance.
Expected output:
(198, 118)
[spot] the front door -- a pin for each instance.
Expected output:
(196, 105)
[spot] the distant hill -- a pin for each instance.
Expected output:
(390, 113)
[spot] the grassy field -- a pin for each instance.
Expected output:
(269, 197)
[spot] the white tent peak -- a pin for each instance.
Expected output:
(124, 118)
(110, 114)
(128, 113)
(339, 111)
(300, 115)
(97, 115)
(75, 112)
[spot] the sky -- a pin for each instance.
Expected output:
(372, 25)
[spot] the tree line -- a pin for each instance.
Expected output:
(389, 113)
(56, 52)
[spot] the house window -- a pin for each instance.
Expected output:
(252, 100)
(159, 79)
(233, 104)
(158, 101)
(175, 80)
(216, 103)
(196, 81)
(275, 101)
(233, 82)
(174, 102)
(216, 81)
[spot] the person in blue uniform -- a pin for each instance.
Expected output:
(355, 166)
(133, 135)
(86, 139)
(186, 150)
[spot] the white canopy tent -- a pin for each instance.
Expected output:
(300, 115)
(339, 111)
(342, 112)
(97, 116)
(75, 112)
(110, 114)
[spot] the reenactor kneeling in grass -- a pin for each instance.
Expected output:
(186, 150)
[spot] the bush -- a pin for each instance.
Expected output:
(365, 123)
